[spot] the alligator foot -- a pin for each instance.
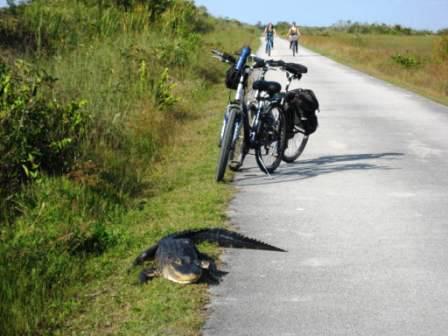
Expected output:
(147, 274)
(211, 273)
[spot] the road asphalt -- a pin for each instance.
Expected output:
(363, 215)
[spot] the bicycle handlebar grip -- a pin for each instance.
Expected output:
(229, 58)
(223, 56)
(257, 59)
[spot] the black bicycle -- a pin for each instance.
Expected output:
(236, 79)
(260, 125)
(296, 135)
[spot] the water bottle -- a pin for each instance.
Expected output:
(245, 52)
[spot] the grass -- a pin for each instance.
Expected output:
(147, 169)
(187, 197)
(414, 62)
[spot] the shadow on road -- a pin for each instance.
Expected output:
(323, 165)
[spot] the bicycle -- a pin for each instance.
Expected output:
(236, 79)
(265, 132)
(274, 100)
(294, 44)
(296, 137)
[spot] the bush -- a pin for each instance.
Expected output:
(37, 133)
(407, 61)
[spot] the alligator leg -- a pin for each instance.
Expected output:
(211, 272)
(147, 274)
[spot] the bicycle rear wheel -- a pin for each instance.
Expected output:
(226, 144)
(271, 139)
(295, 145)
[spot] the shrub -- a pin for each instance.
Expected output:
(37, 133)
(407, 61)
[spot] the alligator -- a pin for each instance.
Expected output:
(176, 257)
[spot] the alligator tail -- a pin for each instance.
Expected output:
(226, 238)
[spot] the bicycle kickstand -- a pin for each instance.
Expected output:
(265, 169)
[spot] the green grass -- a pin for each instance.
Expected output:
(415, 62)
(188, 198)
(146, 169)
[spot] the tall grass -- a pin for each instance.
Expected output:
(146, 80)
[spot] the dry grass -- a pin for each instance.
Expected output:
(421, 65)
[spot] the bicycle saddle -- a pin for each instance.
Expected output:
(270, 87)
(296, 68)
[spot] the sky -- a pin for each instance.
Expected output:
(417, 14)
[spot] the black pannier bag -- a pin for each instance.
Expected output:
(301, 107)
(232, 78)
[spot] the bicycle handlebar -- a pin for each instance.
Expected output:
(294, 68)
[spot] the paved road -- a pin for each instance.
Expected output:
(363, 215)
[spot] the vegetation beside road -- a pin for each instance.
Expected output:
(109, 115)
(417, 60)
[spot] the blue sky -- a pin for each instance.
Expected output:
(419, 14)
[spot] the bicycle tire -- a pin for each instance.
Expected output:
(295, 146)
(226, 143)
(272, 140)
(238, 150)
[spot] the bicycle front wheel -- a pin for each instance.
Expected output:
(295, 145)
(226, 144)
(239, 148)
(271, 139)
